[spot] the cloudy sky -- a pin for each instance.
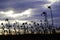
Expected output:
(27, 10)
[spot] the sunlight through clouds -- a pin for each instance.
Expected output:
(11, 13)
(7, 12)
(51, 2)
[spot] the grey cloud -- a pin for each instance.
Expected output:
(22, 5)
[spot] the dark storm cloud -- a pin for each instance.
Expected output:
(20, 4)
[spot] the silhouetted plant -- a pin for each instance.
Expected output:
(24, 27)
(32, 30)
(3, 27)
(51, 15)
(6, 19)
(53, 31)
